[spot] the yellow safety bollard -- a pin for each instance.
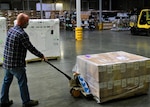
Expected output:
(78, 33)
(100, 26)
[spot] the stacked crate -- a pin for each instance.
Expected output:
(115, 75)
(44, 34)
(107, 25)
(11, 15)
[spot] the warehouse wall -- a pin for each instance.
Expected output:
(129, 4)
(86, 4)
(66, 3)
(24, 5)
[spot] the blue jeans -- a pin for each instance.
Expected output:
(20, 74)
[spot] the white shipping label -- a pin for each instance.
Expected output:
(123, 67)
(122, 58)
(142, 80)
(136, 66)
(124, 83)
(117, 82)
(136, 82)
(116, 67)
(129, 65)
(147, 64)
(130, 81)
(103, 85)
(147, 78)
(110, 85)
(109, 69)
(142, 64)
(102, 68)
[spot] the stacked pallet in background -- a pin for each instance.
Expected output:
(44, 34)
(11, 15)
(115, 75)
(107, 25)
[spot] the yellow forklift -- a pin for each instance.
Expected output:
(140, 22)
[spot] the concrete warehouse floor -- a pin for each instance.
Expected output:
(51, 87)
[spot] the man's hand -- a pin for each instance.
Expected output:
(44, 58)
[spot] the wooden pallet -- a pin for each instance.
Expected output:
(39, 59)
(107, 26)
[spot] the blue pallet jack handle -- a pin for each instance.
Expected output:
(84, 85)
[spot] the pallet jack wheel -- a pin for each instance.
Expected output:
(75, 92)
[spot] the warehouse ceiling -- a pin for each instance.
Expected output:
(16, 0)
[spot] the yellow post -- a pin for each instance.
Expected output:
(100, 26)
(78, 33)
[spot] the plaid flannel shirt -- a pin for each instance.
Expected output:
(16, 46)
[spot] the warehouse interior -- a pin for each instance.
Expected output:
(52, 88)
(54, 34)
(64, 9)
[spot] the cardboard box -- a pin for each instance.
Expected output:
(115, 75)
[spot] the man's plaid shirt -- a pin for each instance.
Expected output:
(16, 46)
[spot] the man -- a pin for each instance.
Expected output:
(16, 46)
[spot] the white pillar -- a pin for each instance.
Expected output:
(41, 9)
(100, 16)
(78, 29)
(78, 11)
(100, 11)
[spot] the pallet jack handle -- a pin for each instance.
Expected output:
(68, 77)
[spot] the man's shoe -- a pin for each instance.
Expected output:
(8, 104)
(31, 103)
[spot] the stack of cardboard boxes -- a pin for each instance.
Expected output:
(11, 15)
(115, 75)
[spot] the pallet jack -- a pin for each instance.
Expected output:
(78, 85)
